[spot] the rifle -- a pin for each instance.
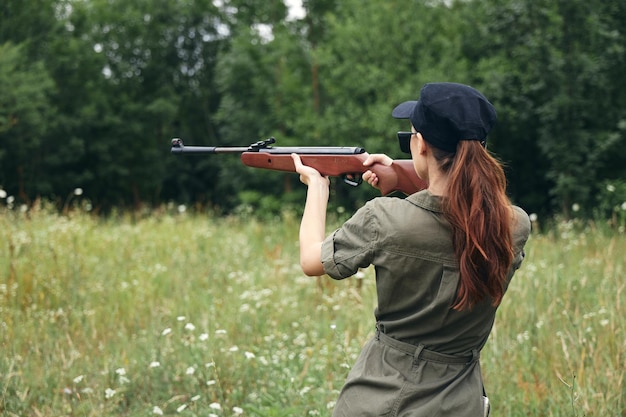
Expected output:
(344, 162)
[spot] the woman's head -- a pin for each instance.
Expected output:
(454, 120)
(447, 113)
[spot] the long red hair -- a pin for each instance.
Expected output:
(479, 211)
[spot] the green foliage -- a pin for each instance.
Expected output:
(377, 55)
(182, 312)
(550, 74)
(25, 114)
(104, 85)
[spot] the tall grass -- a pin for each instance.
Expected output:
(190, 314)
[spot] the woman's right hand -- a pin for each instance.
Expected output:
(377, 158)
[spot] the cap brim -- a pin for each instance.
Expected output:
(404, 110)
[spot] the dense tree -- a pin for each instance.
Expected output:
(550, 67)
(93, 91)
(268, 89)
(26, 107)
(25, 114)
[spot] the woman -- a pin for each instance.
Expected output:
(443, 257)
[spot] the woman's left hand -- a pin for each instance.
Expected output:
(308, 175)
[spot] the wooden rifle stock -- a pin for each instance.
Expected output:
(400, 176)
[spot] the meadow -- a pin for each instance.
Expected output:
(190, 314)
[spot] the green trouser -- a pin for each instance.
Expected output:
(393, 378)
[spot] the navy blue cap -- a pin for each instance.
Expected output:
(447, 113)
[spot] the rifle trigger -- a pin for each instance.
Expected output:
(353, 180)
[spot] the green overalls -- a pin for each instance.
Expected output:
(424, 358)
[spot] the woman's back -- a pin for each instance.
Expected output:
(409, 243)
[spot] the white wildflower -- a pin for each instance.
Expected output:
(215, 406)
(249, 355)
(237, 410)
(203, 337)
(166, 331)
(181, 318)
(610, 188)
(78, 379)
(181, 408)
(521, 337)
(155, 364)
(120, 371)
(78, 191)
(190, 370)
(575, 207)
(157, 410)
(109, 393)
(3, 194)
(190, 327)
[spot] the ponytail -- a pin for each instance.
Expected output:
(479, 212)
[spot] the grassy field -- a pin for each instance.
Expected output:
(187, 314)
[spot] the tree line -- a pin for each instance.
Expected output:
(91, 92)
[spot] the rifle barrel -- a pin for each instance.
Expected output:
(178, 147)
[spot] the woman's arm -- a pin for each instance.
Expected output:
(313, 225)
